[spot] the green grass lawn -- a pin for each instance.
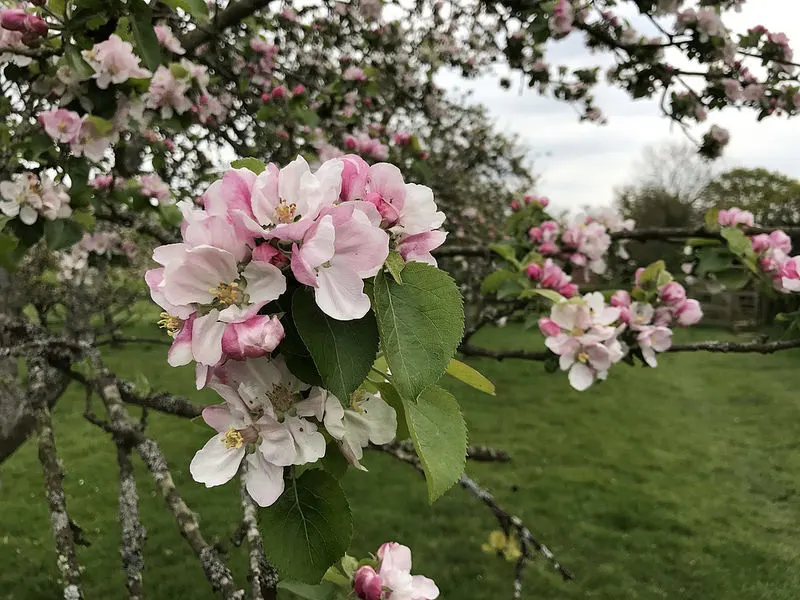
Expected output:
(679, 482)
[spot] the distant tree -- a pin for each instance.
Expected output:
(774, 198)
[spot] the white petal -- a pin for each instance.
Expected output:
(309, 442)
(580, 376)
(277, 444)
(340, 294)
(207, 335)
(265, 282)
(264, 480)
(214, 464)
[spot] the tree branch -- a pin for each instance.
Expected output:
(234, 13)
(262, 576)
(124, 428)
(133, 533)
(67, 560)
(510, 523)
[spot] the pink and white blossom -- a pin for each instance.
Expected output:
(60, 124)
(168, 40)
(114, 61)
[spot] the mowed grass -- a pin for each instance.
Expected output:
(679, 482)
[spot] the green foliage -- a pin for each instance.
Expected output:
(470, 376)
(62, 233)
(308, 528)
(493, 280)
(506, 252)
(551, 295)
(421, 322)
(141, 19)
(739, 245)
(255, 165)
(440, 438)
(196, 8)
(343, 351)
(395, 265)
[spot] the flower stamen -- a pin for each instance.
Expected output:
(170, 323)
(583, 357)
(232, 439)
(228, 294)
(285, 212)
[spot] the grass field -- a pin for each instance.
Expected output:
(680, 482)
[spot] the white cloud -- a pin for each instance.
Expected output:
(579, 163)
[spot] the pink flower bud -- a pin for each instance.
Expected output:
(625, 315)
(535, 233)
(579, 259)
(543, 201)
(265, 97)
(270, 254)
(350, 142)
(36, 24)
(548, 327)
(515, 205)
(688, 313)
(568, 291)
(527, 198)
(13, 19)
(298, 89)
(663, 316)
(533, 271)
(279, 93)
(620, 299)
(759, 242)
(672, 293)
(548, 248)
(256, 337)
(367, 583)
(388, 212)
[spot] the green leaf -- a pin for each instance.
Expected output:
(38, 144)
(3, 220)
(649, 277)
(147, 45)
(712, 260)
(493, 280)
(255, 165)
(700, 242)
(296, 354)
(334, 461)
(323, 591)
(308, 528)
(62, 233)
(440, 438)
(392, 398)
(712, 220)
(421, 322)
(395, 264)
(8, 243)
(170, 214)
(57, 6)
(505, 251)
(343, 351)
(102, 126)
(75, 62)
(551, 295)
(738, 242)
(470, 376)
(735, 278)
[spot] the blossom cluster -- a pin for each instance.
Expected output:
(19, 28)
(773, 251)
(589, 335)
(177, 88)
(329, 230)
(28, 196)
(76, 264)
(272, 420)
(393, 579)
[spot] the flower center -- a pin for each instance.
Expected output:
(285, 211)
(170, 323)
(281, 398)
(576, 332)
(232, 439)
(583, 357)
(227, 294)
(638, 319)
(356, 398)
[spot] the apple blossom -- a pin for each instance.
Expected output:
(688, 313)
(60, 124)
(395, 575)
(168, 40)
(114, 61)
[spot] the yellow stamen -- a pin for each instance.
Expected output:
(281, 398)
(232, 439)
(285, 212)
(227, 294)
(583, 357)
(576, 332)
(356, 398)
(170, 323)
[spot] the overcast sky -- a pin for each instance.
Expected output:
(580, 163)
